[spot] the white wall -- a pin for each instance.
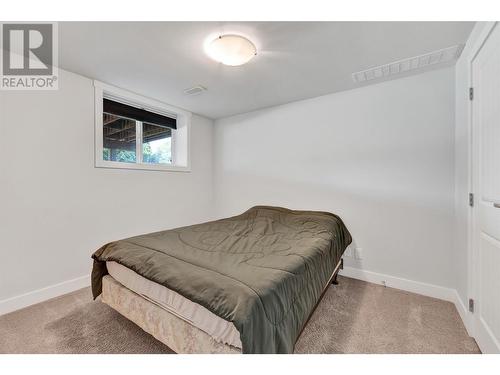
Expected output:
(380, 156)
(56, 208)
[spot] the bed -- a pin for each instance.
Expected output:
(244, 284)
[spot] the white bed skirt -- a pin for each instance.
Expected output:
(174, 332)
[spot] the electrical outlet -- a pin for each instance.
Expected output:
(358, 253)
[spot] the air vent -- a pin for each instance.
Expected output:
(195, 90)
(412, 63)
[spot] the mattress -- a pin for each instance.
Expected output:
(219, 329)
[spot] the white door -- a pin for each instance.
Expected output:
(486, 188)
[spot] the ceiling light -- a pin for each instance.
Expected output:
(231, 50)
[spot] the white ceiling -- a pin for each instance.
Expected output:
(296, 60)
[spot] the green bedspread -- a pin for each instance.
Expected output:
(263, 270)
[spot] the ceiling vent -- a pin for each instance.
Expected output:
(412, 63)
(195, 90)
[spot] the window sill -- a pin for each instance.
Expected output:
(147, 167)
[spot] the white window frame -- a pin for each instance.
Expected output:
(180, 136)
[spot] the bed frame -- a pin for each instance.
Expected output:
(171, 330)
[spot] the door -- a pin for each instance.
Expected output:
(486, 188)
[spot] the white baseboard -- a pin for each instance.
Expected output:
(418, 287)
(40, 295)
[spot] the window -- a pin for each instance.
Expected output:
(138, 133)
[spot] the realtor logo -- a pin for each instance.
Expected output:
(29, 56)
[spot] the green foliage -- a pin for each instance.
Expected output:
(124, 156)
(147, 154)
(162, 155)
(106, 154)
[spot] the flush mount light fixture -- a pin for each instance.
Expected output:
(232, 50)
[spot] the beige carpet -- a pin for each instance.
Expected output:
(354, 317)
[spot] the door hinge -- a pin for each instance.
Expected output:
(471, 93)
(471, 305)
(471, 199)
